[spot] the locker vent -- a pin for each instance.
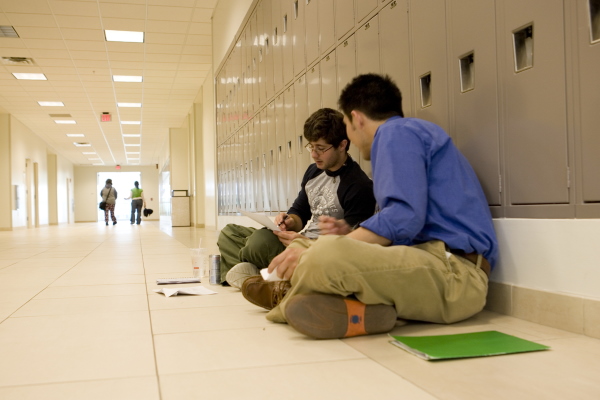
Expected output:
(595, 20)
(523, 46)
(467, 72)
(425, 81)
(8, 31)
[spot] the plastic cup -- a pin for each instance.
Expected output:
(199, 262)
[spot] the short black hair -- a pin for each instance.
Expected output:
(109, 181)
(377, 96)
(327, 124)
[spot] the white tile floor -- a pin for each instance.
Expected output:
(79, 320)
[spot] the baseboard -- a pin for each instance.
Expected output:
(570, 313)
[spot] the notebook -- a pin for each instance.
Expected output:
(167, 281)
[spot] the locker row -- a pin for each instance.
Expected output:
(514, 83)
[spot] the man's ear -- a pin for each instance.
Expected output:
(358, 118)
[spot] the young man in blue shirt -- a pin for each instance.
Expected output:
(426, 255)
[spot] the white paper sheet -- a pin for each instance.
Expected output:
(197, 290)
(261, 219)
(270, 277)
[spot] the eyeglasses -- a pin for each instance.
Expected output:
(317, 149)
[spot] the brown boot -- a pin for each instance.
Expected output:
(265, 294)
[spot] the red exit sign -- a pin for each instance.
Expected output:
(105, 118)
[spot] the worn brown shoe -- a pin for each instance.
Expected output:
(324, 316)
(265, 294)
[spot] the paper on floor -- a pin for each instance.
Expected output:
(168, 292)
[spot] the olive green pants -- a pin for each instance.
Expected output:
(242, 244)
(422, 282)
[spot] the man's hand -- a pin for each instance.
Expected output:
(286, 263)
(286, 237)
(332, 226)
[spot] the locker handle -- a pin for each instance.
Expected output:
(367, 25)
(393, 5)
(300, 145)
(289, 149)
(327, 58)
(345, 43)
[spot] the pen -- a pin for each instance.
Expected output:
(283, 220)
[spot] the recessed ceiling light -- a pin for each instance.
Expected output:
(127, 78)
(88, 152)
(124, 36)
(82, 144)
(131, 159)
(129, 104)
(132, 145)
(51, 103)
(31, 77)
(75, 135)
(131, 122)
(132, 152)
(65, 121)
(131, 135)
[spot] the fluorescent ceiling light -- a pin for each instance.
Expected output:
(129, 104)
(131, 135)
(31, 77)
(132, 159)
(127, 78)
(82, 144)
(132, 152)
(124, 36)
(88, 152)
(75, 135)
(65, 121)
(132, 145)
(51, 103)
(131, 122)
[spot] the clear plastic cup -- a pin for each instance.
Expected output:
(199, 262)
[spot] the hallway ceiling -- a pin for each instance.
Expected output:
(65, 41)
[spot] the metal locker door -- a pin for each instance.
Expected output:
(364, 8)
(329, 96)
(254, 41)
(267, 33)
(239, 169)
(292, 185)
(300, 115)
(281, 161)
(298, 36)
(257, 164)
(344, 17)
(311, 22)
(346, 70)
(395, 50)
(326, 26)
(474, 92)
(588, 21)
(265, 176)
(286, 41)
(262, 56)
(532, 39)
(276, 44)
(367, 47)
(428, 24)
(271, 131)
(313, 84)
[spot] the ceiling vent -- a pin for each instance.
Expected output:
(17, 61)
(8, 31)
(60, 115)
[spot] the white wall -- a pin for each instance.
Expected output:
(227, 18)
(86, 190)
(65, 201)
(6, 197)
(209, 159)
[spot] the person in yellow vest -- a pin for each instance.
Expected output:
(137, 201)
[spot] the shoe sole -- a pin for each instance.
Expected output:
(322, 316)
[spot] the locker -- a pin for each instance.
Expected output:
(268, 58)
(257, 165)
(245, 73)
(329, 96)
(428, 24)
(344, 17)
(254, 40)
(394, 46)
(326, 26)
(281, 160)
(311, 22)
(262, 56)
(300, 115)
(313, 84)
(474, 91)
(239, 170)
(265, 177)
(535, 104)
(293, 184)
(346, 70)
(286, 41)
(367, 47)
(364, 8)
(276, 45)
(270, 131)
(589, 98)
(298, 36)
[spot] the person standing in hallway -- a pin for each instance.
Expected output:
(109, 195)
(137, 201)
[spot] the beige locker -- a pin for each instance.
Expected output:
(367, 47)
(287, 49)
(313, 85)
(329, 93)
(257, 164)
(394, 45)
(346, 70)
(303, 159)
(534, 101)
(268, 59)
(311, 22)
(344, 17)
(254, 41)
(428, 25)
(245, 75)
(270, 132)
(588, 21)
(298, 36)
(276, 44)
(262, 56)
(265, 179)
(474, 90)
(364, 8)
(239, 169)
(292, 182)
(326, 26)
(281, 160)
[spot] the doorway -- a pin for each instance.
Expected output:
(122, 182)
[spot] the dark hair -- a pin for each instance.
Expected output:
(109, 181)
(327, 124)
(137, 184)
(376, 96)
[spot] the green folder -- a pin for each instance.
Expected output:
(465, 345)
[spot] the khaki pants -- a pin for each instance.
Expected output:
(422, 282)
